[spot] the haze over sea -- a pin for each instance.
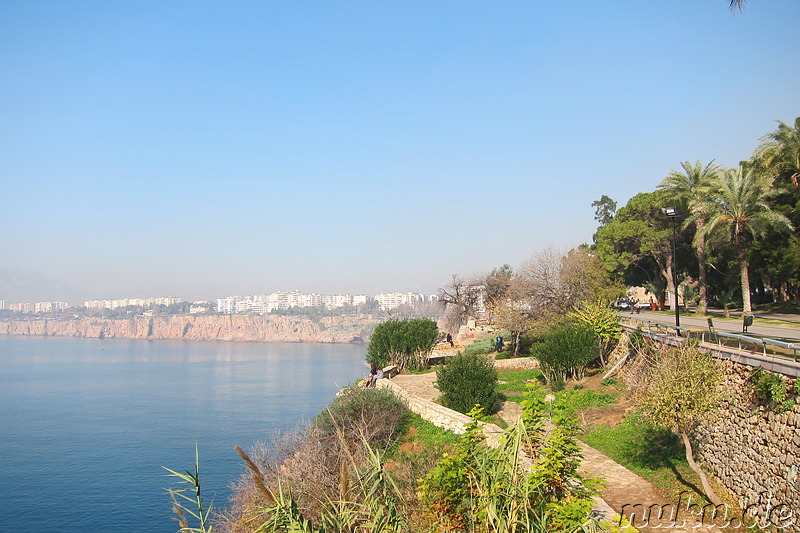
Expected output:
(87, 424)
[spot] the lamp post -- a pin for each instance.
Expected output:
(672, 213)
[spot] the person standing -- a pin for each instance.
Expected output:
(498, 344)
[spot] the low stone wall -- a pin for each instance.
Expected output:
(441, 416)
(754, 451)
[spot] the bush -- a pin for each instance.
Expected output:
(771, 388)
(405, 343)
(481, 347)
(375, 414)
(604, 321)
(566, 351)
(478, 488)
(636, 340)
(467, 380)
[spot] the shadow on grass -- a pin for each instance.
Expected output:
(688, 484)
(656, 448)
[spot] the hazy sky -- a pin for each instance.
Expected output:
(204, 149)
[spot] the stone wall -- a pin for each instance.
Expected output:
(441, 416)
(754, 451)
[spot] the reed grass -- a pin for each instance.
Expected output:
(189, 500)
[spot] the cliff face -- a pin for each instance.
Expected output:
(266, 328)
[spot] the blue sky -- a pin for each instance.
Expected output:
(204, 149)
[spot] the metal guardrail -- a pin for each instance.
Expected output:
(659, 325)
(759, 343)
(758, 356)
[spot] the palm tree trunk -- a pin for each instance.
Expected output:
(743, 264)
(666, 271)
(710, 494)
(702, 283)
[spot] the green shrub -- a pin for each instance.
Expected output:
(566, 351)
(467, 380)
(405, 343)
(374, 414)
(636, 340)
(772, 388)
(603, 320)
(478, 488)
(481, 347)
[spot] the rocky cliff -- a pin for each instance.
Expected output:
(202, 328)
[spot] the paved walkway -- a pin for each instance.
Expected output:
(789, 329)
(624, 490)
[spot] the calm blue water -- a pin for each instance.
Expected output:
(86, 424)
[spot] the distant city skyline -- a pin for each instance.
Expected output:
(200, 148)
(257, 303)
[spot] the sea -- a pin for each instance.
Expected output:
(87, 425)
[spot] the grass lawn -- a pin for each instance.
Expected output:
(513, 383)
(425, 433)
(656, 455)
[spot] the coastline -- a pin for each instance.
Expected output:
(246, 328)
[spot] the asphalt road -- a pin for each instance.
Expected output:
(786, 330)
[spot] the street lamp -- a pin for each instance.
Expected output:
(672, 213)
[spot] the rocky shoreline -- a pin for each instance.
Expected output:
(268, 328)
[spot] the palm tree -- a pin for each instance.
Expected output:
(778, 156)
(693, 186)
(739, 207)
(779, 153)
(736, 5)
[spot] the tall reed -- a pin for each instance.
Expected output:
(189, 500)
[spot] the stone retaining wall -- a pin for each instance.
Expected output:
(439, 415)
(754, 451)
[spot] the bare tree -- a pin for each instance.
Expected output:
(461, 300)
(543, 274)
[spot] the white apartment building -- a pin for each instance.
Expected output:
(200, 307)
(332, 301)
(396, 299)
(36, 307)
(226, 306)
(281, 301)
(126, 302)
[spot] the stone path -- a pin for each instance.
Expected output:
(624, 490)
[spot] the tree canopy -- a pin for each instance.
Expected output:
(736, 234)
(405, 343)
